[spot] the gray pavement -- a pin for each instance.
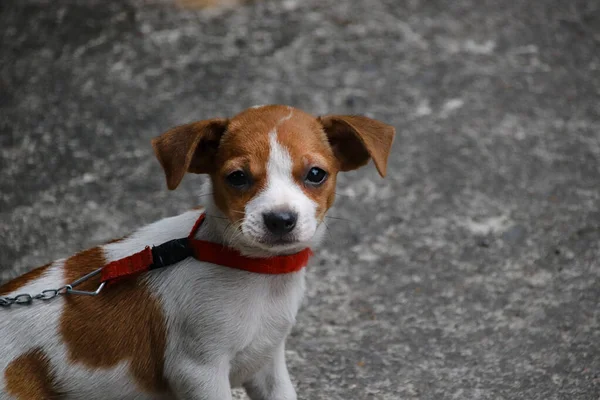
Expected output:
(471, 272)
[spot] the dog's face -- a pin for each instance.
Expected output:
(274, 176)
(273, 168)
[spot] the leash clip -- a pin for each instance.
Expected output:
(69, 289)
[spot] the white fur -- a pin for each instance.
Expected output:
(223, 322)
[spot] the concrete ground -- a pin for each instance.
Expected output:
(471, 272)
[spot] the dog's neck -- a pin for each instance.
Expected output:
(218, 228)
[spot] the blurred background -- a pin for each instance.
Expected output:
(471, 272)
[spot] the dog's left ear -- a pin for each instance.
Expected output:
(356, 139)
(189, 148)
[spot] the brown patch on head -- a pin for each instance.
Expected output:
(244, 147)
(303, 137)
(219, 147)
(123, 323)
(30, 376)
(23, 280)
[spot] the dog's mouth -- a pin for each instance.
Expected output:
(265, 241)
(279, 245)
(259, 238)
(277, 241)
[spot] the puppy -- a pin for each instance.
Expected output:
(192, 305)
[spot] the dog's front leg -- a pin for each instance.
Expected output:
(273, 381)
(194, 381)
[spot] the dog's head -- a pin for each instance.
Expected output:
(273, 168)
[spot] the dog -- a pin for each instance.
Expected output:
(192, 305)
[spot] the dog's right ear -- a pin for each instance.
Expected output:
(189, 148)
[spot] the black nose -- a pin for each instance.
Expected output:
(280, 222)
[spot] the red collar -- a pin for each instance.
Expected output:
(218, 254)
(172, 252)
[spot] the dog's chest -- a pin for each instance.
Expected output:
(267, 321)
(241, 316)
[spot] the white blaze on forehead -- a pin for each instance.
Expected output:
(279, 172)
(281, 192)
(279, 165)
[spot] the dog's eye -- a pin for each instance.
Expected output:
(315, 176)
(238, 179)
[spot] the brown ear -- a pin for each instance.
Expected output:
(356, 139)
(189, 148)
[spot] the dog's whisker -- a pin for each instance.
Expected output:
(215, 216)
(232, 232)
(226, 230)
(329, 232)
(342, 194)
(340, 218)
(236, 233)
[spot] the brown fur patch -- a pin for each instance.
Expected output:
(123, 323)
(246, 146)
(29, 376)
(23, 280)
(305, 141)
(219, 147)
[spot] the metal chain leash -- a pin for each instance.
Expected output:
(49, 294)
(26, 299)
